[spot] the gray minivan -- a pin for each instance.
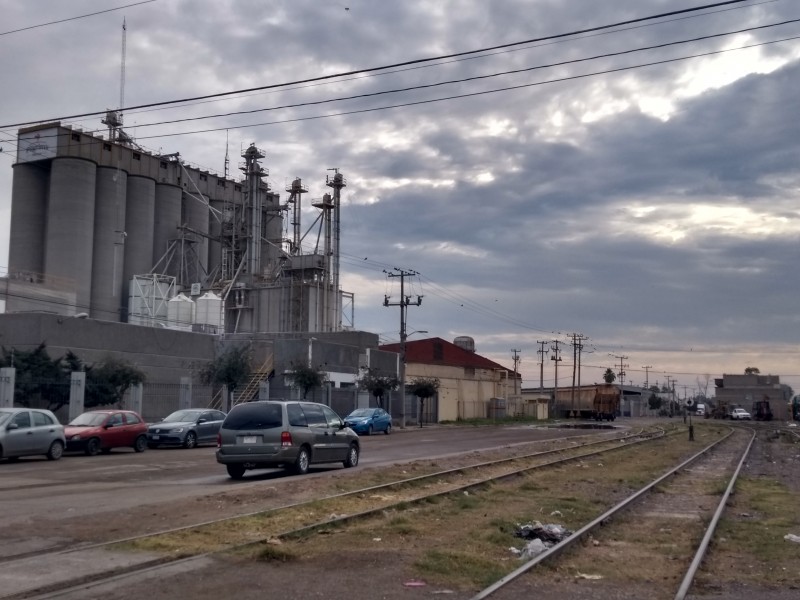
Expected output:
(284, 433)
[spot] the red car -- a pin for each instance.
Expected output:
(101, 430)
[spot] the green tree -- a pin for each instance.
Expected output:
(609, 376)
(423, 388)
(377, 384)
(230, 369)
(752, 371)
(654, 402)
(39, 377)
(305, 378)
(107, 381)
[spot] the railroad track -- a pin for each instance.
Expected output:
(162, 550)
(640, 517)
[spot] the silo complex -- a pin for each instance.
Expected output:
(91, 215)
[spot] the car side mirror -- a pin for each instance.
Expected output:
(11, 426)
(202, 420)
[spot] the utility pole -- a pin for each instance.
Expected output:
(516, 362)
(647, 375)
(541, 352)
(622, 374)
(557, 359)
(669, 388)
(577, 346)
(405, 302)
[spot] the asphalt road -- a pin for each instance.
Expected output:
(87, 485)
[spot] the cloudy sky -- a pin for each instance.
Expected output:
(632, 184)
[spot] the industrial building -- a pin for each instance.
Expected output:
(166, 265)
(103, 227)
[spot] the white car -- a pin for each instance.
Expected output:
(740, 414)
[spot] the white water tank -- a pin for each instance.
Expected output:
(465, 342)
(180, 312)
(209, 312)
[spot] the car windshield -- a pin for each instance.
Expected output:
(360, 412)
(4, 416)
(88, 420)
(183, 415)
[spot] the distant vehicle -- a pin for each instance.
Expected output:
(101, 430)
(740, 414)
(369, 420)
(186, 428)
(29, 432)
(700, 411)
(289, 434)
(606, 402)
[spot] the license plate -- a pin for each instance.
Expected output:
(249, 439)
(155, 437)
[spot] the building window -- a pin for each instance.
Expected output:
(203, 177)
(237, 187)
(76, 137)
(137, 156)
(163, 164)
(106, 146)
(220, 183)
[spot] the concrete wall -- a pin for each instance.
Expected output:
(164, 355)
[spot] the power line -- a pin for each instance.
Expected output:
(465, 79)
(395, 65)
(100, 12)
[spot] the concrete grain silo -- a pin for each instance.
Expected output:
(166, 223)
(28, 217)
(108, 252)
(70, 226)
(139, 222)
(196, 215)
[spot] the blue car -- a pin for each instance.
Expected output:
(369, 421)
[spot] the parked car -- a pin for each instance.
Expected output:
(30, 431)
(186, 428)
(101, 430)
(369, 420)
(284, 433)
(740, 414)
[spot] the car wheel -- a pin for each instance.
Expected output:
(371, 430)
(302, 461)
(56, 451)
(388, 429)
(140, 445)
(92, 447)
(191, 440)
(235, 471)
(352, 457)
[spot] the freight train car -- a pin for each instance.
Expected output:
(587, 401)
(606, 402)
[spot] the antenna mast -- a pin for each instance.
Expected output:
(122, 70)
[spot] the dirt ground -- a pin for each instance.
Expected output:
(375, 572)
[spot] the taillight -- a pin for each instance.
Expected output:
(219, 440)
(286, 439)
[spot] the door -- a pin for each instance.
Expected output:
(320, 432)
(44, 432)
(339, 442)
(207, 430)
(18, 440)
(115, 434)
